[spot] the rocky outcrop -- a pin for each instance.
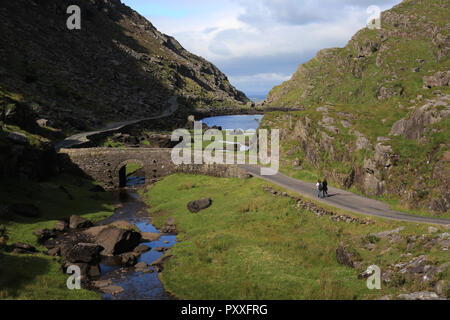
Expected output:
(348, 257)
(414, 127)
(439, 79)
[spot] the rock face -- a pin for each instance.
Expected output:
(394, 131)
(414, 127)
(199, 205)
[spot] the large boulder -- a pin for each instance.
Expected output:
(77, 222)
(116, 241)
(199, 205)
(83, 253)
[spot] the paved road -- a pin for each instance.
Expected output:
(344, 199)
(84, 136)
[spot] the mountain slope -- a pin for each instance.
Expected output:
(375, 113)
(118, 66)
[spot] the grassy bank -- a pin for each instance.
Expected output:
(39, 276)
(251, 245)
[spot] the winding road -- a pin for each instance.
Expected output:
(343, 199)
(84, 136)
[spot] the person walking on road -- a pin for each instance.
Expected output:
(325, 187)
(319, 188)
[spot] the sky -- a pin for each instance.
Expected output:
(258, 44)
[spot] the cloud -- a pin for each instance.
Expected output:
(259, 43)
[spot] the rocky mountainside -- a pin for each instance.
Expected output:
(118, 66)
(375, 113)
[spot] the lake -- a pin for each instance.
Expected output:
(243, 122)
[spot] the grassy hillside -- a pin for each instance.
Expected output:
(375, 113)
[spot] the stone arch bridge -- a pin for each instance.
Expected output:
(107, 165)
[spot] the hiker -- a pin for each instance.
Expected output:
(319, 188)
(325, 187)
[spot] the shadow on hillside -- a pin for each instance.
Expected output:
(82, 66)
(57, 198)
(17, 272)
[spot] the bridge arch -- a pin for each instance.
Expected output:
(120, 170)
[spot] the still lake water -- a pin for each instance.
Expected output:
(243, 122)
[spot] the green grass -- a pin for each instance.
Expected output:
(36, 277)
(251, 245)
(39, 276)
(132, 167)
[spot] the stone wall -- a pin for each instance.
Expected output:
(104, 164)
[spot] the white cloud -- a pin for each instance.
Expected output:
(239, 33)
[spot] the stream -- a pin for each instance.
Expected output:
(136, 285)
